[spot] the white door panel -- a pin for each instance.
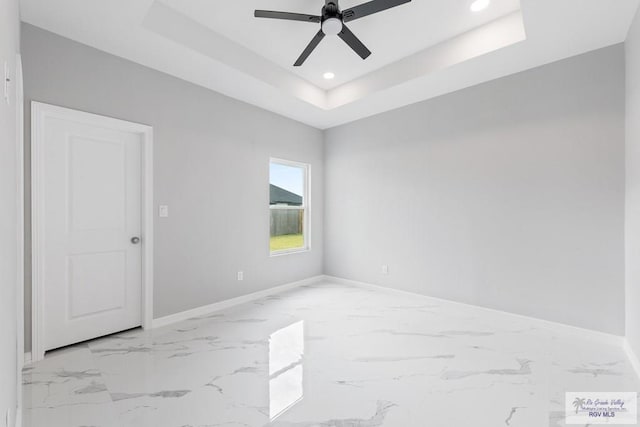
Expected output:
(92, 208)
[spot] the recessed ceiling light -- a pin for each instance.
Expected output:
(328, 75)
(479, 5)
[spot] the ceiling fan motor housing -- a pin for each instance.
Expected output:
(331, 19)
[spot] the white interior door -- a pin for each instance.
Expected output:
(90, 174)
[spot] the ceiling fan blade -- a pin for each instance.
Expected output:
(286, 15)
(370, 8)
(353, 42)
(310, 47)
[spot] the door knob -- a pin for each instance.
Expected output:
(135, 240)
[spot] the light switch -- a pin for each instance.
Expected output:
(163, 211)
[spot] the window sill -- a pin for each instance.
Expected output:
(289, 252)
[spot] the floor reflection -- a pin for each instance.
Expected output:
(286, 352)
(362, 358)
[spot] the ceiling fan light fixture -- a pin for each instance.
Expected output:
(479, 5)
(332, 26)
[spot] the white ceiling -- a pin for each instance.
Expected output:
(390, 35)
(420, 50)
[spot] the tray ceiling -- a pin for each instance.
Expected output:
(422, 49)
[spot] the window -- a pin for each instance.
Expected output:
(289, 206)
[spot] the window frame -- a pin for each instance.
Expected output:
(305, 207)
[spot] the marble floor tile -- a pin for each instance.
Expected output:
(325, 355)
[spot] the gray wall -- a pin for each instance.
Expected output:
(211, 167)
(9, 43)
(508, 195)
(633, 186)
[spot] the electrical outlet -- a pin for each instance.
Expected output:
(385, 269)
(240, 276)
(163, 211)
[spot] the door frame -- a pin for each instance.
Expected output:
(39, 112)
(20, 237)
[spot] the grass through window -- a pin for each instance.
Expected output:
(287, 241)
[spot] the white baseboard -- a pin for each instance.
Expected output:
(601, 337)
(208, 309)
(633, 357)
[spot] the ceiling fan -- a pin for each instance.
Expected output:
(332, 22)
